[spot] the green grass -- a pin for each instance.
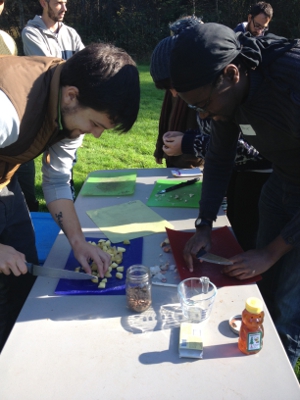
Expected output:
(114, 151)
(297, 369)
(117, 151)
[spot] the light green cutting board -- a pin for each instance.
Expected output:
(184, 197)
(109, 183)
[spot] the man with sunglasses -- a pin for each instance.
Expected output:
(259, 17)
(251, 85)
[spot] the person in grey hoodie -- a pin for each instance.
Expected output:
(47, 35)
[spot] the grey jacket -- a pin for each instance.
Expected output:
(39, 40)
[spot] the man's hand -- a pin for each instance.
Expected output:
(255, 262)
(12, 261)
(201, 239)
(85, 252)
(64, 214)
(172, 143)
(248, 264)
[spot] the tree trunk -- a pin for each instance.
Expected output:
(21, 14)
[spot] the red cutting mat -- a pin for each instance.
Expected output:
(224, 244)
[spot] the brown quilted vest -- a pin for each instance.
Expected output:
(32, 85)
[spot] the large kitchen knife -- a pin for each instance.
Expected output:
(212, 258)
(39, 270)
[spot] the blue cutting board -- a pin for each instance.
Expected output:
(132, 255)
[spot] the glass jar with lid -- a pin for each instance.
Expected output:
(138, 288)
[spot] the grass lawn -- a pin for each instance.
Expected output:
(116, 151)
(297, 370)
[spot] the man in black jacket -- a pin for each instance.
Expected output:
(250, 84)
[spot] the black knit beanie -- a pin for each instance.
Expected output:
(160, 59)
(200, 53)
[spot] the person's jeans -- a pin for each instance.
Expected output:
(16, 230)
(26, 178)
(243, 193)
(280, 286)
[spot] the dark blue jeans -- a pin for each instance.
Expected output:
(16, 230)
(26, 178)
(243, 193)
(280, 287)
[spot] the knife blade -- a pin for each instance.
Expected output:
(39, 270)
(179, 185)
(212, 258)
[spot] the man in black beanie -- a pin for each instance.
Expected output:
(175, 114)
(253, 85)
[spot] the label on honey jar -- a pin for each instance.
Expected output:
(254, 341)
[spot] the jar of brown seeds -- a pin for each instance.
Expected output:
(138, 288)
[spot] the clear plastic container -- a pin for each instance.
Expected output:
(197, 296)
(252, 330)
(138, 288)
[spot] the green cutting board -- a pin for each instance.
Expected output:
(109, 183)
(184, 197)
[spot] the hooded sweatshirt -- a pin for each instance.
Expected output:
(40, 41)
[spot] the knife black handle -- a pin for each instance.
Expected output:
(200, 253)
(186, 183)
(29, 267)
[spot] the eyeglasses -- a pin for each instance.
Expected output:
(259, 27)
(203, 109)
